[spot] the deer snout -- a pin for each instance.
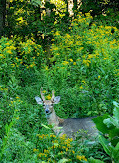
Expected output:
(47, 111)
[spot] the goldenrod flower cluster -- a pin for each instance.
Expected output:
(3, 89)
(60, 6)
(58, 146)
(81, 158)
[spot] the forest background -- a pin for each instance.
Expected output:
(71, 47)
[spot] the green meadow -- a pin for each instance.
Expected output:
(78, 57)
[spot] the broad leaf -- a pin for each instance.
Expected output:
(105, 143)
(36, 2)
(116, 153)
(107, 122)
(92, 160)
(63, 160)
(115, 104)
(100, 125)
(45, 126)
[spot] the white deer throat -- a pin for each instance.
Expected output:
(53, 119)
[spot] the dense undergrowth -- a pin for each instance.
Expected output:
(82, 68)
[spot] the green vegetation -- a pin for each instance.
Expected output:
(78, 58)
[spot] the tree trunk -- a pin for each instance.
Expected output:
(70, 7)
(66, 1)
(48, 10)
(2, 16)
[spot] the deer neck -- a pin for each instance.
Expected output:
(53, 119)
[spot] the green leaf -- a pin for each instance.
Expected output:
(45, 126)
(63, 160)
(116, 113)
(100, 125)
(105, 143)
(92, 160)
(36, 2)
(56, 144)
(115, 152)
(7, 128)
(107, 122)
(1, 110)
(115, 122)
(115, 104)
(113, 132)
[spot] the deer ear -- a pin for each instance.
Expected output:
(56, 99)
(38, 100)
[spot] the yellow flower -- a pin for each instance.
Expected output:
(44, 91)
(90, 56)
(63, 137)
(68, 36)
(117, 74)
(71, 60)
(105, 58)
(40, 154)
(12, 102)
(74, 63)
(67, 149)
(98, 76)
(38, 54)
(5, 89)
(2, 55)
(20, 20)
(83, 81)
(32, 65)
(81, 87)
(65, 62)
(35, 150)
(48, 97)
(46, 151)
(53, 136)
(9, 51)
(7, 43)
(17, 58)
(73, 152)
(86, 62)
(81, 48)
(17, 97)
(55, 48)
(12, 47)
(46, 68)
(57, 33)
(71, 139)
(13, 65)
(81, 158)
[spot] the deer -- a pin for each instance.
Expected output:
(70, 126)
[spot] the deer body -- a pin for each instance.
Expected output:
(68, 126)
(84, 126)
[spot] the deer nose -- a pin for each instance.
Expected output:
(47, 110)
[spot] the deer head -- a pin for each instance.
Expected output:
(47, 104)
